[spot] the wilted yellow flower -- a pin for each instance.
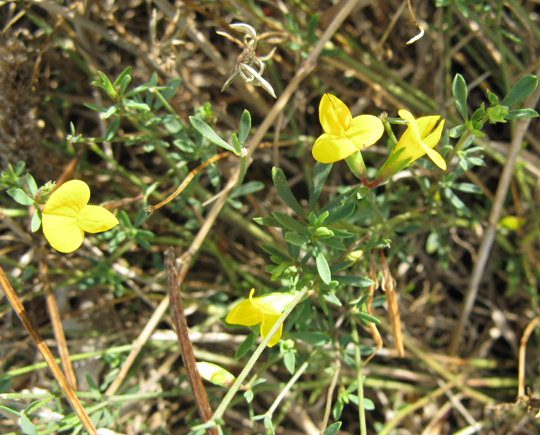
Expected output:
(265, 310)
(343, 135)
(67, 216)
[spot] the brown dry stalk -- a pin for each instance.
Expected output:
(182, 186)
(388, 285)
(184, 343)
(56, 322)
(47, 355)
(522, 349)
(372, 275)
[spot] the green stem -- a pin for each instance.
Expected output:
(242, 376)
(358, 361)
(291, 382)
(372, 201)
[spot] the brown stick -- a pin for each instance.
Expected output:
(522, 349)
(388, 285)
(47, 355)
(56, 322)
(190, 176)
(184, 343)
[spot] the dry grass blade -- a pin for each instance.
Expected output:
(47, 355)
(388, 285)
(57, 323)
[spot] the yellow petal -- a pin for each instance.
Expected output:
(62, 232)
(434, 137)
(425, 124)
(68, 199)
(435, 157)
(334, 115)
(95, 219)
(412, 132)
(268, 322)
(245, 313)
(364, 131)
(328, 148)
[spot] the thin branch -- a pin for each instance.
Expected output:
(184, 343)
(47, 355)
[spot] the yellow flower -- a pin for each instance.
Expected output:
(265, 310)
(343, 135)
(67, 216)
(417, 141)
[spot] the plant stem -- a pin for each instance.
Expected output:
(358, 362)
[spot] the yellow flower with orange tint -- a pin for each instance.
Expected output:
(265, 310)
(343, 135)
(66, 216)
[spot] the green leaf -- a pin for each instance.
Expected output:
(522, 89)
(236, 145)
(285, 193)
(111, 111)
(245, 126)
(95, 107)
(338, 202)
(337, 409)
(124, 84)
(493, 99)
(204, 129)
(113, 128)
(134, 105)
(523, 113)
(331, 298)
(27, 426)
(245, 346)
(355, 281)
(367, 317)
(456, 202)
(290, 223)
(36, 221)
(106, 85)
(4, 385)
(297, 239)
(248, 395)
(31, 184)
(340, 214)
(320, 174)
(458, 131)
(322, 268)
(273, 251)
(289, 360)
(20, 196)
(10, 411)
(312, 338)
(459, 90)
(246, 189)
(333, 243)
(268, 222)
(332, 429)
(312, 25)
(467, 187)
(125, 73)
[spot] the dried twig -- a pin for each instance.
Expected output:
(184, 343)
(57, 323)
(47, 355)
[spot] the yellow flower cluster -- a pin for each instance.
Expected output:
(344, 135)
